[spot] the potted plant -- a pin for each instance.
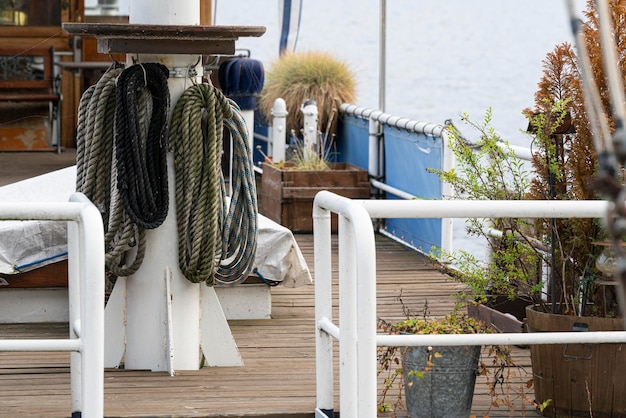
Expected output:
(439, 381)
(580, 379)
(288, 187)
(310, 75)
(501, 286)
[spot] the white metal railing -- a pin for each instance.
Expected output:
(277, 136)
(357, 290)
(86, 297)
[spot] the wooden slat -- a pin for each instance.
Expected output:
(278, 378)
(51, 275)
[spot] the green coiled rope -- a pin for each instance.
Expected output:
(217, 240)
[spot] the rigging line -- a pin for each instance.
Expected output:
(43, 41)
(592, 102)
(607, 158)
(613, 75)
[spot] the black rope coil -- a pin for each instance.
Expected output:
(143, 102)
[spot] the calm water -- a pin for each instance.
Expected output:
(444, 57)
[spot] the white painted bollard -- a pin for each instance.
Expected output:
(279, 130)
(309, 110)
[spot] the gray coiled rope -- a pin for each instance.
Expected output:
(95, 142)
(217, 241)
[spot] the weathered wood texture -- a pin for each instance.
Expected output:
(579, 377)
(278, 378)
(50, 275)
(287, 195)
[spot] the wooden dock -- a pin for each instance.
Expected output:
(278, 378)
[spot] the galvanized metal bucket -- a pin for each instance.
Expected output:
(446, 388)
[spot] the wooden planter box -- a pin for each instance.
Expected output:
(287, 195)
(500, 321)
(501, 314)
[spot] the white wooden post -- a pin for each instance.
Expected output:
(309, 109)
(279, 130)
(162, 313)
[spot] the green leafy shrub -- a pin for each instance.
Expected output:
(488, 169)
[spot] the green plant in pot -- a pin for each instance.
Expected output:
(439, 381)
(488, 169)
(582, 380)
(288, 187)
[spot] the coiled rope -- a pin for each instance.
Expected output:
(217, 241)
(143, 102)
(124, 240)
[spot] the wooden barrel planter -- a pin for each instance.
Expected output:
(287, 194)
(579, 379)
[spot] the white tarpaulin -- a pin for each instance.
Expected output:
(26, 245)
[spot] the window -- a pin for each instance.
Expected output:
(30, 13)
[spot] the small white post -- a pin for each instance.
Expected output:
(309, 110)
(279, 130)
(447, 224)
(74, 291)
(323, 309)
(373, 162)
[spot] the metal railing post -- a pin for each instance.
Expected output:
(348, 373)
(323, 311)
(357, 274)
(91, 269)
(86, 297)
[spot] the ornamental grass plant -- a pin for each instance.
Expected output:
(315, 75)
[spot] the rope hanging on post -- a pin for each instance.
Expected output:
(143, 101)
(240, 234)
(216, 241)
(124, 241)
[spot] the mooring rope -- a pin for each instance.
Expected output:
(121, 166)
(239, 238)
(141, 151)
(95, 142)
(217, 241)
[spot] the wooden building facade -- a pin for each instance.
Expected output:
(29, 26)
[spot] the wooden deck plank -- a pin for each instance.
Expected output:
(278, 378)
